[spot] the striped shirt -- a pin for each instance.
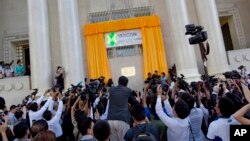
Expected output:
(196, 117)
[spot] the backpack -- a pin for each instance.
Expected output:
(145, 135)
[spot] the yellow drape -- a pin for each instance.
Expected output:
(98, 64)
(153, 51)
(123, 24)
(153, 48)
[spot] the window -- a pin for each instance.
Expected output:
(124, 51)
(120, 14)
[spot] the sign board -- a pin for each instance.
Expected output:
(123, 38)
(128, 71)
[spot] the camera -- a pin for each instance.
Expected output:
(183, 84)
(241, 67)
(198, 35)
(34, 92)
(93, 87)
(232, 75)
(154, 82)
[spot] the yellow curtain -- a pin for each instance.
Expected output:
(153, 48)
(123, 24)
(153, 51)
(98, 64)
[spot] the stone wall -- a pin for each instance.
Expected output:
(14, 21)
(239, 57)
(242, 6)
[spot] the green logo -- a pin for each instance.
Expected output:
(111, 39)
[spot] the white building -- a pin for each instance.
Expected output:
(50, 33)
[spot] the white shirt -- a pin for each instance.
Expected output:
(34, 116)
(54, 123)
(220, 128)
(178, 129)
(8, 72)
(104, 116)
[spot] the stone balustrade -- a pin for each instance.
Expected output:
(15, 89)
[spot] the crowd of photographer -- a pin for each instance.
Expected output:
(168, 108)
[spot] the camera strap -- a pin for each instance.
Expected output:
(191, 129)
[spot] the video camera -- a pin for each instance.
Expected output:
(154, 82)
(210, 81)
(35, 91)
(232, 75)
(241, 67)
(93, 87)
(198, 35)
(183, 84)
(32, 95)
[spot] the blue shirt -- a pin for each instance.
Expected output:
(19, 70)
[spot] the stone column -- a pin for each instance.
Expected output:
(70, 37)
(40, 55)
(184, 53)
(208, 17)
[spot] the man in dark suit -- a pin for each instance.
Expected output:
(118, 113)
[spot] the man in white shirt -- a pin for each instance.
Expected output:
(8, 71)
(178, 126)
(54, 122)
(34, 112)
(220, 128)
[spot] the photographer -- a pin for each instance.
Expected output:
(149, 98)
(59, 78)
(54, 122)
(196, 116)
(141, 125)
(118, 112)
(110, 83)
(219, 129)
(101, 106)
(163, 78)
(34, 112)
(11, 114)
(240, 115)
(178, 126)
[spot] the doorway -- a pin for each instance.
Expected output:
(227, 37)
(27, 60)
(20, 51)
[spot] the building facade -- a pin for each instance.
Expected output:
(50, 33)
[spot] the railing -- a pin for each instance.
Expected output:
(15, 89)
